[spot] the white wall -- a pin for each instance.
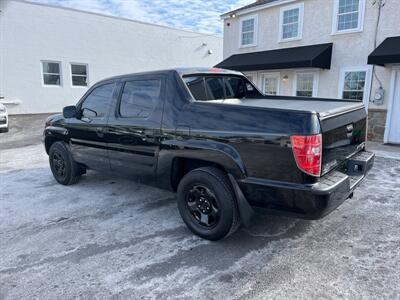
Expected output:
(350, 49)
(110, 46)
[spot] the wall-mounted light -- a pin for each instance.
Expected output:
(285, 78)
(232, 16)
(210, 51)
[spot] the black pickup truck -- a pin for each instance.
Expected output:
(211, 136)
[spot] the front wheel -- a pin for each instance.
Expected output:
(65, 170)
(207, 203)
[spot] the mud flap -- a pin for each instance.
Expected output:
(246, 212)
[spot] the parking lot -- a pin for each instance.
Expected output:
(112, 238)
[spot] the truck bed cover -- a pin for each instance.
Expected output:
(323, 107)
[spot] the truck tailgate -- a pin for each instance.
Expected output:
(343, 135)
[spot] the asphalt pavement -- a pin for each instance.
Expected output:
(110, 238)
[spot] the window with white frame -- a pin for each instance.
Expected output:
(248, 31)
(354, 83)
(270, 83)
(306, 84)
(79, 74)
(291, 22)
(348, 15)
(51, 72)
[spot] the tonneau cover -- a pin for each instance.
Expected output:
(323, 107)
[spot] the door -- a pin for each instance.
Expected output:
(393, 128)
(87, 132)
(134, 129)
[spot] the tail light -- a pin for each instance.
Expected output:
(307, 152)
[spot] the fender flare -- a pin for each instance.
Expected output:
(56, 134)
(212, 151)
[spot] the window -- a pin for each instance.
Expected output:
(354, 85)
(97, 103)
(51, 73)
(214, 88)
(79, 74)
(248, 31)
(306, 84)
(291, 22)
(348, 15)
(139, 98)
(204, 88)
(270, 83)
(234, 87)
(197, 87)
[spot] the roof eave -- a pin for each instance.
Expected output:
(241, 11)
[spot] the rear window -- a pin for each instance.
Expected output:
(215, 88)
(211, 87)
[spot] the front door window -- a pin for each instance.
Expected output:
(96, 105)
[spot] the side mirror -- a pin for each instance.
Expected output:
(70, 112)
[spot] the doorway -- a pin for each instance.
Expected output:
(392, 132)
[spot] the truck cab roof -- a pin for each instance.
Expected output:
(180, 71)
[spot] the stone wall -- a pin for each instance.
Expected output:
(376, 124)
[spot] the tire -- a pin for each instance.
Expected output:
(4, 130)
(207, 191)
(65, 170)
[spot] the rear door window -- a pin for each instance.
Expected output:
(139, 98)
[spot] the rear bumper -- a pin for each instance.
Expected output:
(308, 201)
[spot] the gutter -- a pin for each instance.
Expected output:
(240, 11)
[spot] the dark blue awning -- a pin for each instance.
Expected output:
(387, 53)
(314, 56)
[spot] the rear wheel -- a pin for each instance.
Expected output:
(65, 170)
(207, 203)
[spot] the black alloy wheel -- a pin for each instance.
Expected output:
(203, 206)
(59, 165)
(65, 170)
(207, 203)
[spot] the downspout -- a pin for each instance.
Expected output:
(380, 3)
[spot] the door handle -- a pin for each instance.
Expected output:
(100, 131)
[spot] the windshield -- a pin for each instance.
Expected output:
(212, 87)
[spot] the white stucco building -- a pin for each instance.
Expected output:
(322, 48)
(49, 56)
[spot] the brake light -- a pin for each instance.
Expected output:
(215, 70)
(307, 152)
